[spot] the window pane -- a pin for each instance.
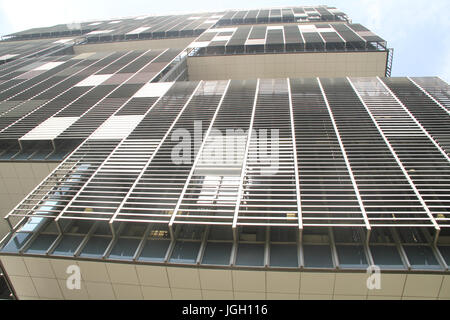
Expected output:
(352, 257)
(155, 250)
(68, 245)
(250, 255)
(95, 247)
(317, 256)
(185, 252)
(217, 253)
(386, 257)
(283, 255)
(124, 249)
(41, 244)
(421, 257)
(445, 251)
(16, 242)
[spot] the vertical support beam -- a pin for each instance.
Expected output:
(197, 158)
(141, 244)
(294, 149)
(397, 159)
(347, 162)
(244, 164)
(334, 253)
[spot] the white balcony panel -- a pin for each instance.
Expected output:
(48, 66)
(50, 128)
(117, 127)
(138, 30)
(93, 80)
(153, 90)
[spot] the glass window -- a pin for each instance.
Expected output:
(185, 252)
(41, 244)
(352, 257)
(445, 251)
(155, 250)
(124, 249)
(250, 255)
(421, 257)
(283, 255)
(217, 253)
(386, 257)
(95, 247)
(68, 245)
(317, 256)
(17, 242)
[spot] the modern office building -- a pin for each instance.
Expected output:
(253, 154)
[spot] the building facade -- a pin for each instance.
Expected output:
(253, 154)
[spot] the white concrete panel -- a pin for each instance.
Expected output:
(199, 44)
(94, 80)
(50, 128)
(186, 278)
(63, 40)
(92, 33)
(215, 279)
(152, 276)
(353, 284)
(241, 295)
(49, 65)
(315, 297)
(117, 127)
(282, 296)
(83, 56)
(73, 294)
(422, 285)
(138, 30)
(383, 298)
(445, 288)
(153, 90)
(156, 293)
(391, 285)
(8, 56)
(186, 294)
(255, 42)
(221, 38)
(231, 29)
(283, 282)
(347, 297)
(23, 286)
(122, 273)
(127, 292)
(93, 271)
(39, 267)
(317, 283)
(249, 281)
(15, 266)
(100, 291)
(47, 288)
(217, 295)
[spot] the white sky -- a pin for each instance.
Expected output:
(418, 30)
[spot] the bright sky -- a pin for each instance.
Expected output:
(418, 30)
